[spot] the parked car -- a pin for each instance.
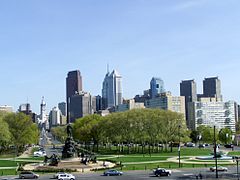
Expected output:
(28, 175)
(219, 168)
(201, 145)
(112, 172)
(190, 144)
(55, 176)
(206, 144)
(228, 145)
(66, 176)
(162, 172)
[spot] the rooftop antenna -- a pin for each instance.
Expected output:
(107, 68)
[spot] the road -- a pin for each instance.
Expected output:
(134, 175)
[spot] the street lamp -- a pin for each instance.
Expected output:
(215, 150)
(179, 141)
(236, 158)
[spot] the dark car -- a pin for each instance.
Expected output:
(112, 172)
(228, 145)
(28, 175)
(162, 172)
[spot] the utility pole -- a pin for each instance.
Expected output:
(179, 146)
(215, 150)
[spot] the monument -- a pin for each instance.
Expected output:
(69, 147)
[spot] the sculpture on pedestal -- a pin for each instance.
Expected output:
(69, 147)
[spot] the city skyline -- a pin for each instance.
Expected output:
(177, 40)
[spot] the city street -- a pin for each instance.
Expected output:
(134, 175)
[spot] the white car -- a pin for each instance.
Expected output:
(66, 177)
(219, 168)
(39, 153)
(55, 176)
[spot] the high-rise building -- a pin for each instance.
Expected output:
(98, 103)
(167, 102)
(25, 108)
(212, 88)
(128, 105)
(6, 108)
(220, 114)
(62, 107)
(73, 86)
(156, 87)
(188, 89)
(112, 90)
(54, 117)
(81, 104)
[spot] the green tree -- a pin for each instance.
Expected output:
(23, 130)
(225, 135)
(5, 135)
(59, 133)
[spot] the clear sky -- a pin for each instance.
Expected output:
(41, 40)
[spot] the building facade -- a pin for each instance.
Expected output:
(188, 89)
(63, 108)
(55, 117)
(156, 87)
(128, 105)
(81, 104)
(112, 90)
(73, 85)
(167, 102)
(212, 88)
(6, 108)
(220, 114)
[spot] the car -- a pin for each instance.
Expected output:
(112, 172)
(190, 144)
(66, 176)
(162, 172)
(201, 145)
(39, 153)
(28, 175)
(219, 168)
(228, 145)
(55, 176)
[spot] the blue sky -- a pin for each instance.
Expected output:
(40, 41)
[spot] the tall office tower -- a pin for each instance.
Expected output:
(25, 108)
(54, 117)
(112, 90)
(188, 89)
(98, 103)
(156, 87)
(73, 85)
(212, 88)
(82, 104)
(62, 108)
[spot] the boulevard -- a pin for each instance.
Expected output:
(129, 175)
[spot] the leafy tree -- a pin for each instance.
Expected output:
(23, 130)
(5, 135)
(59, 133)
(207, 133)
(225, 135)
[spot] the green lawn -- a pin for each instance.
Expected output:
(4, 172)
(129, 158)
(8, 163)
(234, 153)
(167, 165)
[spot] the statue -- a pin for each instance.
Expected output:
(69, 147)
(69, 130)
(54, 160)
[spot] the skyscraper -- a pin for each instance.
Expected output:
(188, 89)
(62, 108)
(156, 87)
(112, 89)
(212, 88)
(73, 85)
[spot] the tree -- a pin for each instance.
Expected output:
(225, 135)
(5, 135)
(59, 133)
(23, 130)
(207, 133)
